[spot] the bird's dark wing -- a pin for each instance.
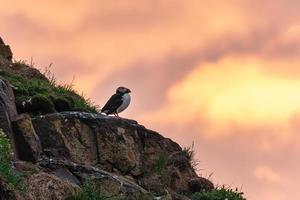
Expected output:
(112, 104)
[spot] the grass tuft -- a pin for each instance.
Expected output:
(221, 193)
(58, 97)
(189, 152)
(13, 179)
(161, 168)
(88, 192)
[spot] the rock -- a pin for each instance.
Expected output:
(40, 104)
(180, 161)
(28, 146)
(65, 174)
(5, 51)
(153, 182)
(25, 166)
(43, 186)
(116, 145)
(66, 138)
(7, 106)
(107, 183)
(199, 184)
(8, 110)
(62, 104)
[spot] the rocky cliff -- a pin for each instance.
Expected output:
(62, 148)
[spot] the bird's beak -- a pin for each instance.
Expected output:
(128, 91)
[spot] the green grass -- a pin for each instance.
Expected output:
(160, 164)
(190, 154)
(221, 193)
(89, 192)
(160, 168)
(13, 179)
(49, 95)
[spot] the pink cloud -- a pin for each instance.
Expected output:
(154, 46)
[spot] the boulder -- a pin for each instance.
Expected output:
(5, 51)
(116, 145)
(8, 110)
(28, 145)
(106, 183)
(44, 186)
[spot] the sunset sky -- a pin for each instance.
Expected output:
(224, 74)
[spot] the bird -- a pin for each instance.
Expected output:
(117, 102)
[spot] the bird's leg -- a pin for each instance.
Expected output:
(116, 114)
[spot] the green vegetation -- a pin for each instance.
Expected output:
(160, 168)
(219, 194)
(13, 179)
(46, 96)
(89, 192)
(190, 154)
(160, 164)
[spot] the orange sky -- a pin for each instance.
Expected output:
(222, 73)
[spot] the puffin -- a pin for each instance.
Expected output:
(117, 102)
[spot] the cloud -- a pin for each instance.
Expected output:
(56, 14)
(266, 173)
(223, 73)
(235, 92)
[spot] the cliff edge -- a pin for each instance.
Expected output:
(64, 149)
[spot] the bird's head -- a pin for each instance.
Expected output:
(123, 90)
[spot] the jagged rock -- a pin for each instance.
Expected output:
(117, 145)
(5, 51)
(179, 160)
(44, 186)
(25, 166)
(8, 110)
(28, 143)
(65, 174)
(106, 183)
(7, 105)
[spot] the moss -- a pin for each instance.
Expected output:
(62, 104)
(46, 96)
(41, 104)
(77, 102)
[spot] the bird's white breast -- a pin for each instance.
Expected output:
(126, 101)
